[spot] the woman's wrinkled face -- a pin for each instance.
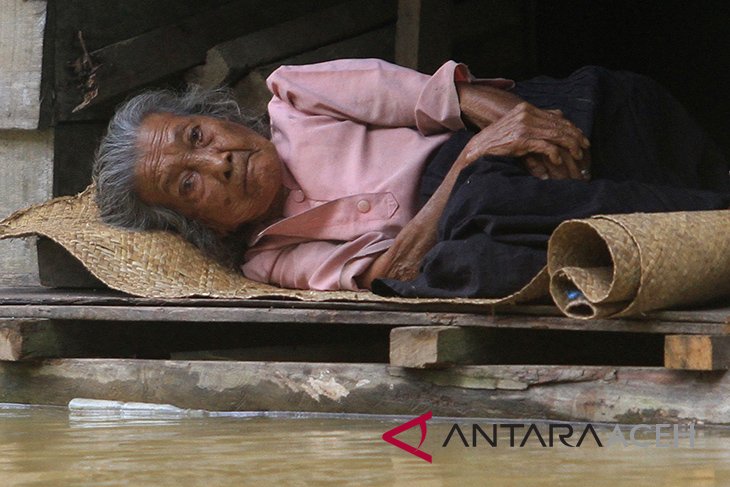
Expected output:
(220, 173)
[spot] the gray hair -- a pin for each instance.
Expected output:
(118, 153)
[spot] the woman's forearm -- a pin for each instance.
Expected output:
(482, 105)
(403, 259)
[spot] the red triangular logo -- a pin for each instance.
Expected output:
(389, 436)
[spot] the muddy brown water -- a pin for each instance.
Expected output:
(52, 446)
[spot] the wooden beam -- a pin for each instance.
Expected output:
(697, 352)
(133, 63)
(423, 35)
(24, 339)
(256, 312)
(438, 346)
(102, 23)
(591, 394)
(540, 316)
(228, 62)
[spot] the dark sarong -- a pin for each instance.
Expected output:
(647, 154)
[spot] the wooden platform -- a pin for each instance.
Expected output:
(464, 360)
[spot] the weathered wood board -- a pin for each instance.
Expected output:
(595, 394)
(227, 62)
(21, 48)
(438, 346)
(152, 56)
(26, 175)
(719, 314)
(319, 314)
(697, 352)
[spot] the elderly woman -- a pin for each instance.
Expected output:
(370, 179)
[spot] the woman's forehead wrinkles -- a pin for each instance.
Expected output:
(164, 151)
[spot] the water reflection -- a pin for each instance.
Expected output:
(49, 446)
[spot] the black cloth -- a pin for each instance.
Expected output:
(647, 156)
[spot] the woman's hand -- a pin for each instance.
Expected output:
(524, 130)
(551, 145)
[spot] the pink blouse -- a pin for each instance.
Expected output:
(353, 136)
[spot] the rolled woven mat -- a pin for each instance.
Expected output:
(160, 264)
(620, 265)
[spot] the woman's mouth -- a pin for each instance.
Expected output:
(247, 169)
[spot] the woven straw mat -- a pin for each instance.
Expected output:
(621, 264)
(628, 264)
(159, 264)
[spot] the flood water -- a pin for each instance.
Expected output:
(51, 446)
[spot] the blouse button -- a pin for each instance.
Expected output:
(363, 206)
(298, 195)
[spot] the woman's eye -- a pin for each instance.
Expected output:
(187, 184)
(196, 135)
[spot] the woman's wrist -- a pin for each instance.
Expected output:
(482, 105)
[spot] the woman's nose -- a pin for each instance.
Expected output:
(217, 164)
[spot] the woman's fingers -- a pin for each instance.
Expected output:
(527, 129)
(571, 165)
(536, 167)
(552, 126)
(549, 150)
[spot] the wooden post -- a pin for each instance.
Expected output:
(423, 34)
(22, 339)
(697, 352)
(437, 346)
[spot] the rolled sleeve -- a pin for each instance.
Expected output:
(437, 109)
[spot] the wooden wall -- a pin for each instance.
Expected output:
(26, 153)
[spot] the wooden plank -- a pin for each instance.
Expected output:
(101, 23)
(697, 352)
(719, 314)
(20, 339)
(299, 312)
(438, 346)
(591, 394)
(228, 62)
(157, 54)
(26, 175)
(21, 49)
(424, 33)
(700, 321)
